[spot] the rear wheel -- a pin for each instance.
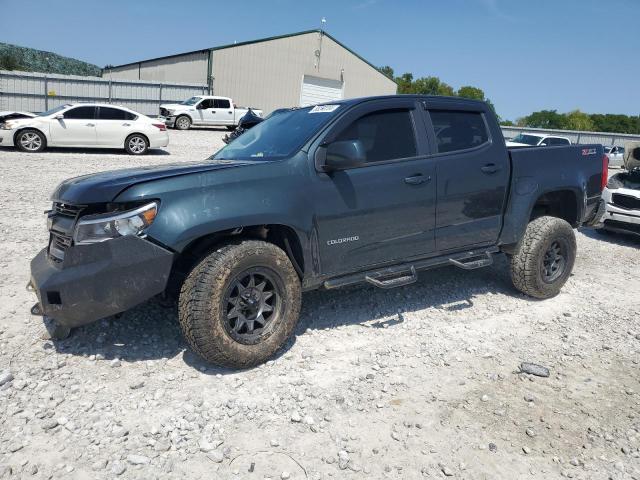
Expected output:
(544, 258)
(183, 122)
(31, 141)
(240, 304)
(136, 144)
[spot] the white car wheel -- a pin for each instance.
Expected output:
(136, 145)
(30, 141)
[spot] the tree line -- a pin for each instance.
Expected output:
(574, 120)
(577, 120)
(433, 86)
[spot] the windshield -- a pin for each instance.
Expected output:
(191, 101)
(526, 139)
(53, 110)
(279, 136)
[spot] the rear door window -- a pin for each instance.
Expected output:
(221, 103)
(458, 130)
(108, 113)
(81, 113)
(551, 141)
(385, 135)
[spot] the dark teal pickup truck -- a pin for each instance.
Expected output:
(365, 190)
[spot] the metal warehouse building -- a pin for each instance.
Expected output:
(290, 70)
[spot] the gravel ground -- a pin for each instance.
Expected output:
(419, 382)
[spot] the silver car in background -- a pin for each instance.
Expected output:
(621, 197)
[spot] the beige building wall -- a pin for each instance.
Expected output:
(187, 68)
(268, 75)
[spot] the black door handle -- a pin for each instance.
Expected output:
(416, 179)
(490, 168)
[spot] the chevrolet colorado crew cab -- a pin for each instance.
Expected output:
(203, 110)
(368, 190)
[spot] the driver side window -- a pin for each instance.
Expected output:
(206, 103)
(385, 135)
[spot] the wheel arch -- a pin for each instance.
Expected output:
(562, 203)
(129, 135)
(20, 130)
(283, 236)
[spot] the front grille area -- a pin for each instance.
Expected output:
(62, 219)
(626, 201)
(58, 244)
(629, 227)
(66, 210)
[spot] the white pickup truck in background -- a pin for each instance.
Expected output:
(203, 110)
(537, 140)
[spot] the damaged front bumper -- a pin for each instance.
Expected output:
(98, 280)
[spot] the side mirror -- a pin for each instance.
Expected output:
(344, 154)
(201, 106)
(59, 116)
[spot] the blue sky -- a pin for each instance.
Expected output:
(526, 55)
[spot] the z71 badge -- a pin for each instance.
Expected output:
(588, 151)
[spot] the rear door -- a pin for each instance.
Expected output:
(383, 211)
(472, 170)
(223, 114)
(112, 126)
(76, 128)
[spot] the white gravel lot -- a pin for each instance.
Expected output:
(413, 383)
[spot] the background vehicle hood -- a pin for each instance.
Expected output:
(105, 186)
(176, 106)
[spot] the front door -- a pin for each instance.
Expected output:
(384, 211)
(473, 175)
(76, 128)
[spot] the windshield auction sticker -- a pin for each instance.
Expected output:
(324, 108)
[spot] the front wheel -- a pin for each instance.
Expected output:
(240, 304)
(183, 122)
(136, 144)
(544, 258)
(31, 141)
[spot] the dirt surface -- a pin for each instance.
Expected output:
(418, 382)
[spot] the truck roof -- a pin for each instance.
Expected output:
(440, 98)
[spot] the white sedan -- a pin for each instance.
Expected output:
(85, 125)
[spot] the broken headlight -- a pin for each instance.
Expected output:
(98, 228)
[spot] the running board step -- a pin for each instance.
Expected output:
(401, 281)
(473, 263)
(404, 273)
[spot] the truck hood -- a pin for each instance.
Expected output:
(516, 144)
(105, 186)
(176, 106)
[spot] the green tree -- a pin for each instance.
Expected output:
(405, 83)
(577, 120)
(507, 123)
(543, 119)
(473, 93)
(9, 62)
(387, 71)
(431, 86)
